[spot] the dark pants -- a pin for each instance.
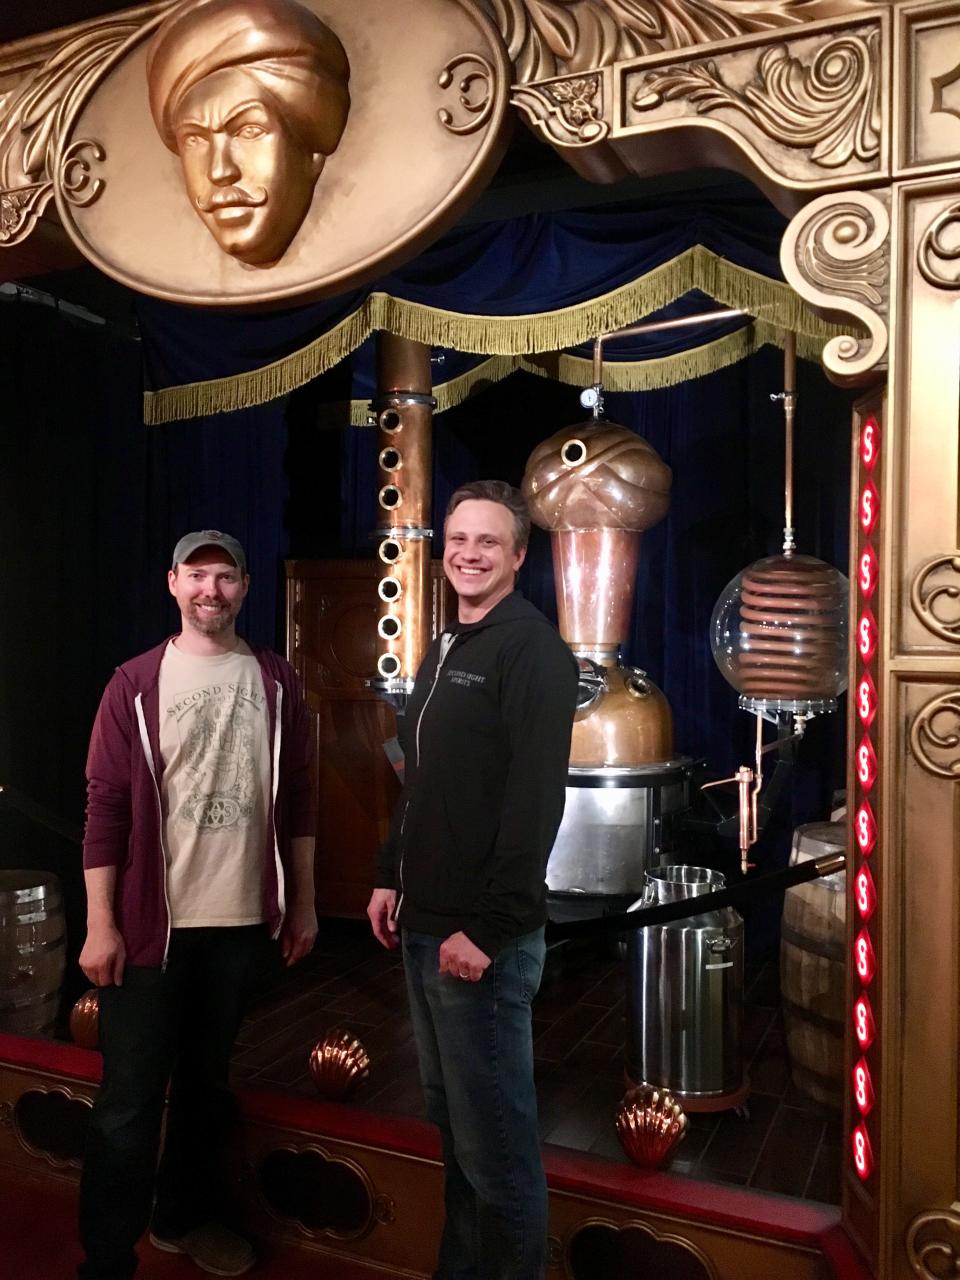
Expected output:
(475, 1045)
(174, 1026)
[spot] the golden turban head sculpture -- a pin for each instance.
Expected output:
(252, 95)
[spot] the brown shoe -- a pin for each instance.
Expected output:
(213, 1247)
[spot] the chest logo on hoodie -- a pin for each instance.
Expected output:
(469, 679)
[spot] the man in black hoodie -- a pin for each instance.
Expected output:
(486, 738)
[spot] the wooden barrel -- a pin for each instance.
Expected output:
(32, 952)
(813, 957)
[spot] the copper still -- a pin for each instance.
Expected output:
(596, 487)
(403, 414)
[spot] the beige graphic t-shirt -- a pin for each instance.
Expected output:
(214, 740)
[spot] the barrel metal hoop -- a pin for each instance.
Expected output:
(813, 946)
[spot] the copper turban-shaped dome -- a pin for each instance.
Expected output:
(596, 475)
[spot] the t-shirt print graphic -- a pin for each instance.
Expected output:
(218, 734)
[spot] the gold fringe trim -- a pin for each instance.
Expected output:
(259, 386)
(669, 371)
(696, 268)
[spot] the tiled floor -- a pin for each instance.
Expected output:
(787, 1143)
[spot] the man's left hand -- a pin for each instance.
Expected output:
(461, 959)
(299, 932)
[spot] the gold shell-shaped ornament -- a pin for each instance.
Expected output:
(338, 1063)
(85, 1020)
(650, 1123)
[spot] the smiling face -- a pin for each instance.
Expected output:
(209, 590)
(248, 176)
(479, 555)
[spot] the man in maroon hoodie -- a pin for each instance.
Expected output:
(199, 841)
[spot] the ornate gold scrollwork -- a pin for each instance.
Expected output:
(567, 112)
(939, 85)
(73, 174)
(836, 254)
(479, 79)
(548, 39)
(926, 737)
(20, 209)
(830, 107)
(32, 122)
(928, 1244)
(933, 252)
(926, 594)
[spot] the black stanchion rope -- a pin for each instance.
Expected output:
(744, 892)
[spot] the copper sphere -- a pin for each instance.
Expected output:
(85, 1020)
(596, 475)
(649, 1125)
(338, 1063)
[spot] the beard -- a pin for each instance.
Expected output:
(211, 624)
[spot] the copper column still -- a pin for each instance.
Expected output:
(403, 412)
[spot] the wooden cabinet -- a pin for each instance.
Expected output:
(332, 610)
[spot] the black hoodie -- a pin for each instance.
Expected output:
(486, 739)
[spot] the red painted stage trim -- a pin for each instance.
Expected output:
(341, 1121)
(51, 1055)
(778, 1217)
(736, 1208)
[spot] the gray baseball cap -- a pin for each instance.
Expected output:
(191, 542)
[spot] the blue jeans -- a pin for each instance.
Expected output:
(475, 1045)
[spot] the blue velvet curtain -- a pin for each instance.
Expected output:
(523, 266)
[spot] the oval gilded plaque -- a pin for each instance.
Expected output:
(250, 152)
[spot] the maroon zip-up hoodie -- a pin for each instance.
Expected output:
(124, 823)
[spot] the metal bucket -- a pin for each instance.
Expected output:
(32, 952)
(685, 993)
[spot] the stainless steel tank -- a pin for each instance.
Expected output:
(685, 996)
(618, 822)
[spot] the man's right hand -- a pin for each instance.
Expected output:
(103, 956)
(383, 903)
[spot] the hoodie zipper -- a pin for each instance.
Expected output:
(281, 883)
(145, 743)
(446, 644)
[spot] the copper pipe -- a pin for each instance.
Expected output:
(404, 416)
(656, 326)
(789, 412)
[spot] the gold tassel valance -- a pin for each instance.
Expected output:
(514, 341)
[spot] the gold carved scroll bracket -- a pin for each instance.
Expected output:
(548, 41)
(32, 116)
(836, 255)
(933, 1244)
(804, 114)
